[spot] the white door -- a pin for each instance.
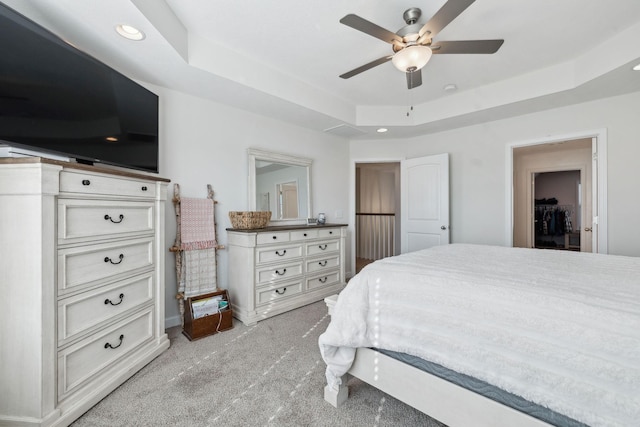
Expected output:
(425, 202)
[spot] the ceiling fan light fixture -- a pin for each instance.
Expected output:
(414, 57)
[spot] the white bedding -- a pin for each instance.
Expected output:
(561, 329)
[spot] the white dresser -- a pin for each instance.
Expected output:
(277, 269)
(82, 261)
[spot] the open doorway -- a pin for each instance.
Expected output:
(400, 207)
(554, 190)
(377, 211)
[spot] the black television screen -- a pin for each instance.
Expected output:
(57, 99)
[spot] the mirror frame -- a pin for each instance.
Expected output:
(270, 156)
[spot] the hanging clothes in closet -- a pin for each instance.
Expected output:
(553, 220)
(552, 223)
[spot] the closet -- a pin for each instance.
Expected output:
(557, 207)
(558, 175)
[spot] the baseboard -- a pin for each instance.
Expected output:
(170, 322)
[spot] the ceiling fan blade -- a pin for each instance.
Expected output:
(443, 17)
(365, 67)
(414, 79)
(466, 46)
(361, 24)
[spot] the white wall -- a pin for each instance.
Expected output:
(478, 166)
(206, 143)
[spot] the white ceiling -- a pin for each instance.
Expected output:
(282, 58)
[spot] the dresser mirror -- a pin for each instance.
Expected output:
(281, 184)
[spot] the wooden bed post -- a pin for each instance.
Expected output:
(339, 394)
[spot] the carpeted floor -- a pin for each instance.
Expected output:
(270, 374)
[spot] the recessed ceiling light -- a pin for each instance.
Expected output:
(450, 87)
(382, 130)
(129, 32)
(636, 68)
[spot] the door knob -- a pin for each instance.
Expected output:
(587, 229)
(443, 227)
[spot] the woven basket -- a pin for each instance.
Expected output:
(247, 220)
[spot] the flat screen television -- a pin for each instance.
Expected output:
(56, 99)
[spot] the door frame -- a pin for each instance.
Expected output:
(599, 182)
(279, 196)
(352, 205)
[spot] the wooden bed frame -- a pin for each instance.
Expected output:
(448, 403)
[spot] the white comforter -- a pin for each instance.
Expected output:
(561, 329)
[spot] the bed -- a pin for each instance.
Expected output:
(557, 331)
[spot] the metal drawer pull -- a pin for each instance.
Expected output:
(107, 345)
(323, 263)
(275, 237)
(108, 301)
(305, 234)
(108, 218)
(107, 259)
(323, 280)
(281, 293)
(144, 188)
(86, 182)
(281, 274)
(331, 232)
(322, 247)
(281, 254)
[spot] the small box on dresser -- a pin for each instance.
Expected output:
(276, 269)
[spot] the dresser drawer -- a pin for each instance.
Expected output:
(278, 272)
(323, 264)
(327, 279)
(82, 362)
(310, 233)
(88, 184)
(271, 238)
(328, 232)
(82, 219)
(269, 295)
(322, 247)
(78, 266)
(278, 253)
(83, 312)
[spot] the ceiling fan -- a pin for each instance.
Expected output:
(413, 44)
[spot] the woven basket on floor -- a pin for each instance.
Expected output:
(247, 220)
